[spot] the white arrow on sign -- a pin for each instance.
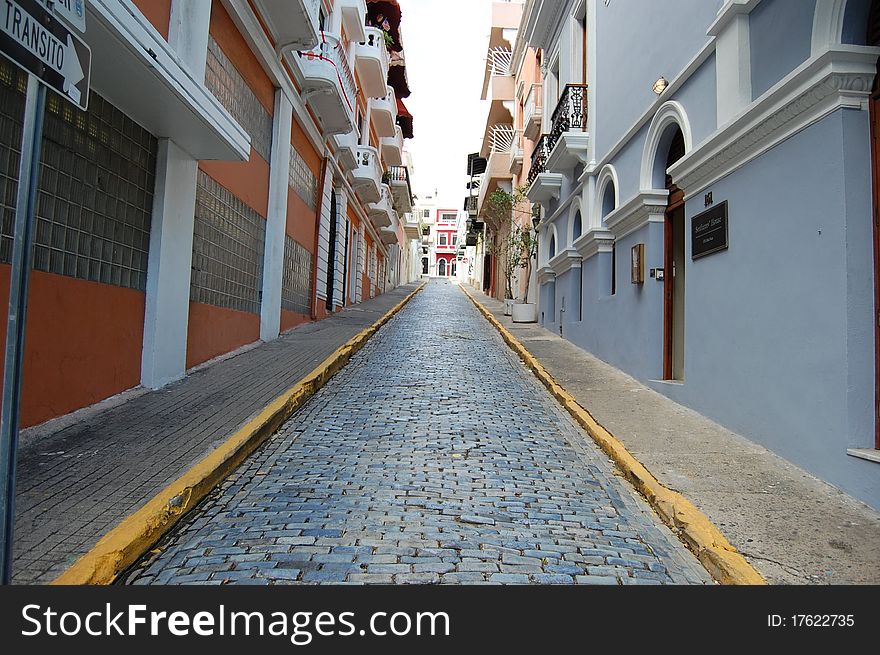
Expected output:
(72, 70)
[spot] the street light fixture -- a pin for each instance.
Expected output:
(660, 85)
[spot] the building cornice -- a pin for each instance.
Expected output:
(728, 12)
(593, 242)
(546, 274)
(645, 207)
(565, 261)
(838, 78)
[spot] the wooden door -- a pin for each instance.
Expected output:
(673, 287)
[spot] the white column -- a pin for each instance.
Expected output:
(733, 68)
(188, 33)
(276, 221)
(169, 268)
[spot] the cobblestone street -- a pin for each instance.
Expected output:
(434, 457)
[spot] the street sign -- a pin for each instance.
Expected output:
(46, 48)
(73, 12)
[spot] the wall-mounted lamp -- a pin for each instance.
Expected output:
(660, 85)
(536, 221)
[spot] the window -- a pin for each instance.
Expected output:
(427, 213)
(443, 239)
(454, 239)
(424, 265)
(552, 246)
(577, 229)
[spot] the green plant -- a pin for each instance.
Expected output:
(519, 243)
(389, 40)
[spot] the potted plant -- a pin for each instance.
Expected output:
(516, 248)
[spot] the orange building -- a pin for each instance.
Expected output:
(239, 171)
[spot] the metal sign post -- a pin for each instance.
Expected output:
(22, 258)
(53, 56)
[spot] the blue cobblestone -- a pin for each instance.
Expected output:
(384, 476)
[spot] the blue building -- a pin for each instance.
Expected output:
(706, 183)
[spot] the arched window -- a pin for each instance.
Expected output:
(608, 199)
(441, 268)
(552, 246)
(577, 229)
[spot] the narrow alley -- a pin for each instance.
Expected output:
(404, 469)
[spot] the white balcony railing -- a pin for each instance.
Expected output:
(392, 148)
(346, 149)
(354, 16)
(293, 24)
(380, 212)
(372, 63)
(501, 138)
(532, 112)
(367, 177)
(328, 84)
(384, 113)
(500, 61)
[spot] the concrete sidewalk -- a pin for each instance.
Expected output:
(79, 478)
(791, 526)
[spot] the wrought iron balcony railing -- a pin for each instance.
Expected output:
(571, 113)
(539, 157)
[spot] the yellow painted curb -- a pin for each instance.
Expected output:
(694, 528)
(135, 535)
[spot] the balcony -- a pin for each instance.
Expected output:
(401, 190)
(516, 154)
(366, 178)
(569, 137)
(532, 111)
(501, 138)
(380, 212)
(411, 227)
(346, 146)
(392, 148)
(470, 205)
(372, 63)
(354, 16)
(388, 235)
(293, 24)
(543, 184)
(328, 84)
(384, 113)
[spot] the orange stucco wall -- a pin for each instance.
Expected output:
(303, 146)
(300, 221)
(236, 48)
(248, 180)
(83, 343)
(158, 12)
(215, 331)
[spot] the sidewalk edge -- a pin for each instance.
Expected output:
(135, 535)
(720, 558)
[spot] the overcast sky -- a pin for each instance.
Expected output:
(445, 43)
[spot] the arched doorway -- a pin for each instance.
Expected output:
(674, 261)
(873, 38)
(441, 268)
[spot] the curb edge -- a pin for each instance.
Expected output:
(134, 535)
(720, 558)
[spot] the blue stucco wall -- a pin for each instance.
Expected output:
(779, 330)
(669, 34)
(781, 32)
(699, 98)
